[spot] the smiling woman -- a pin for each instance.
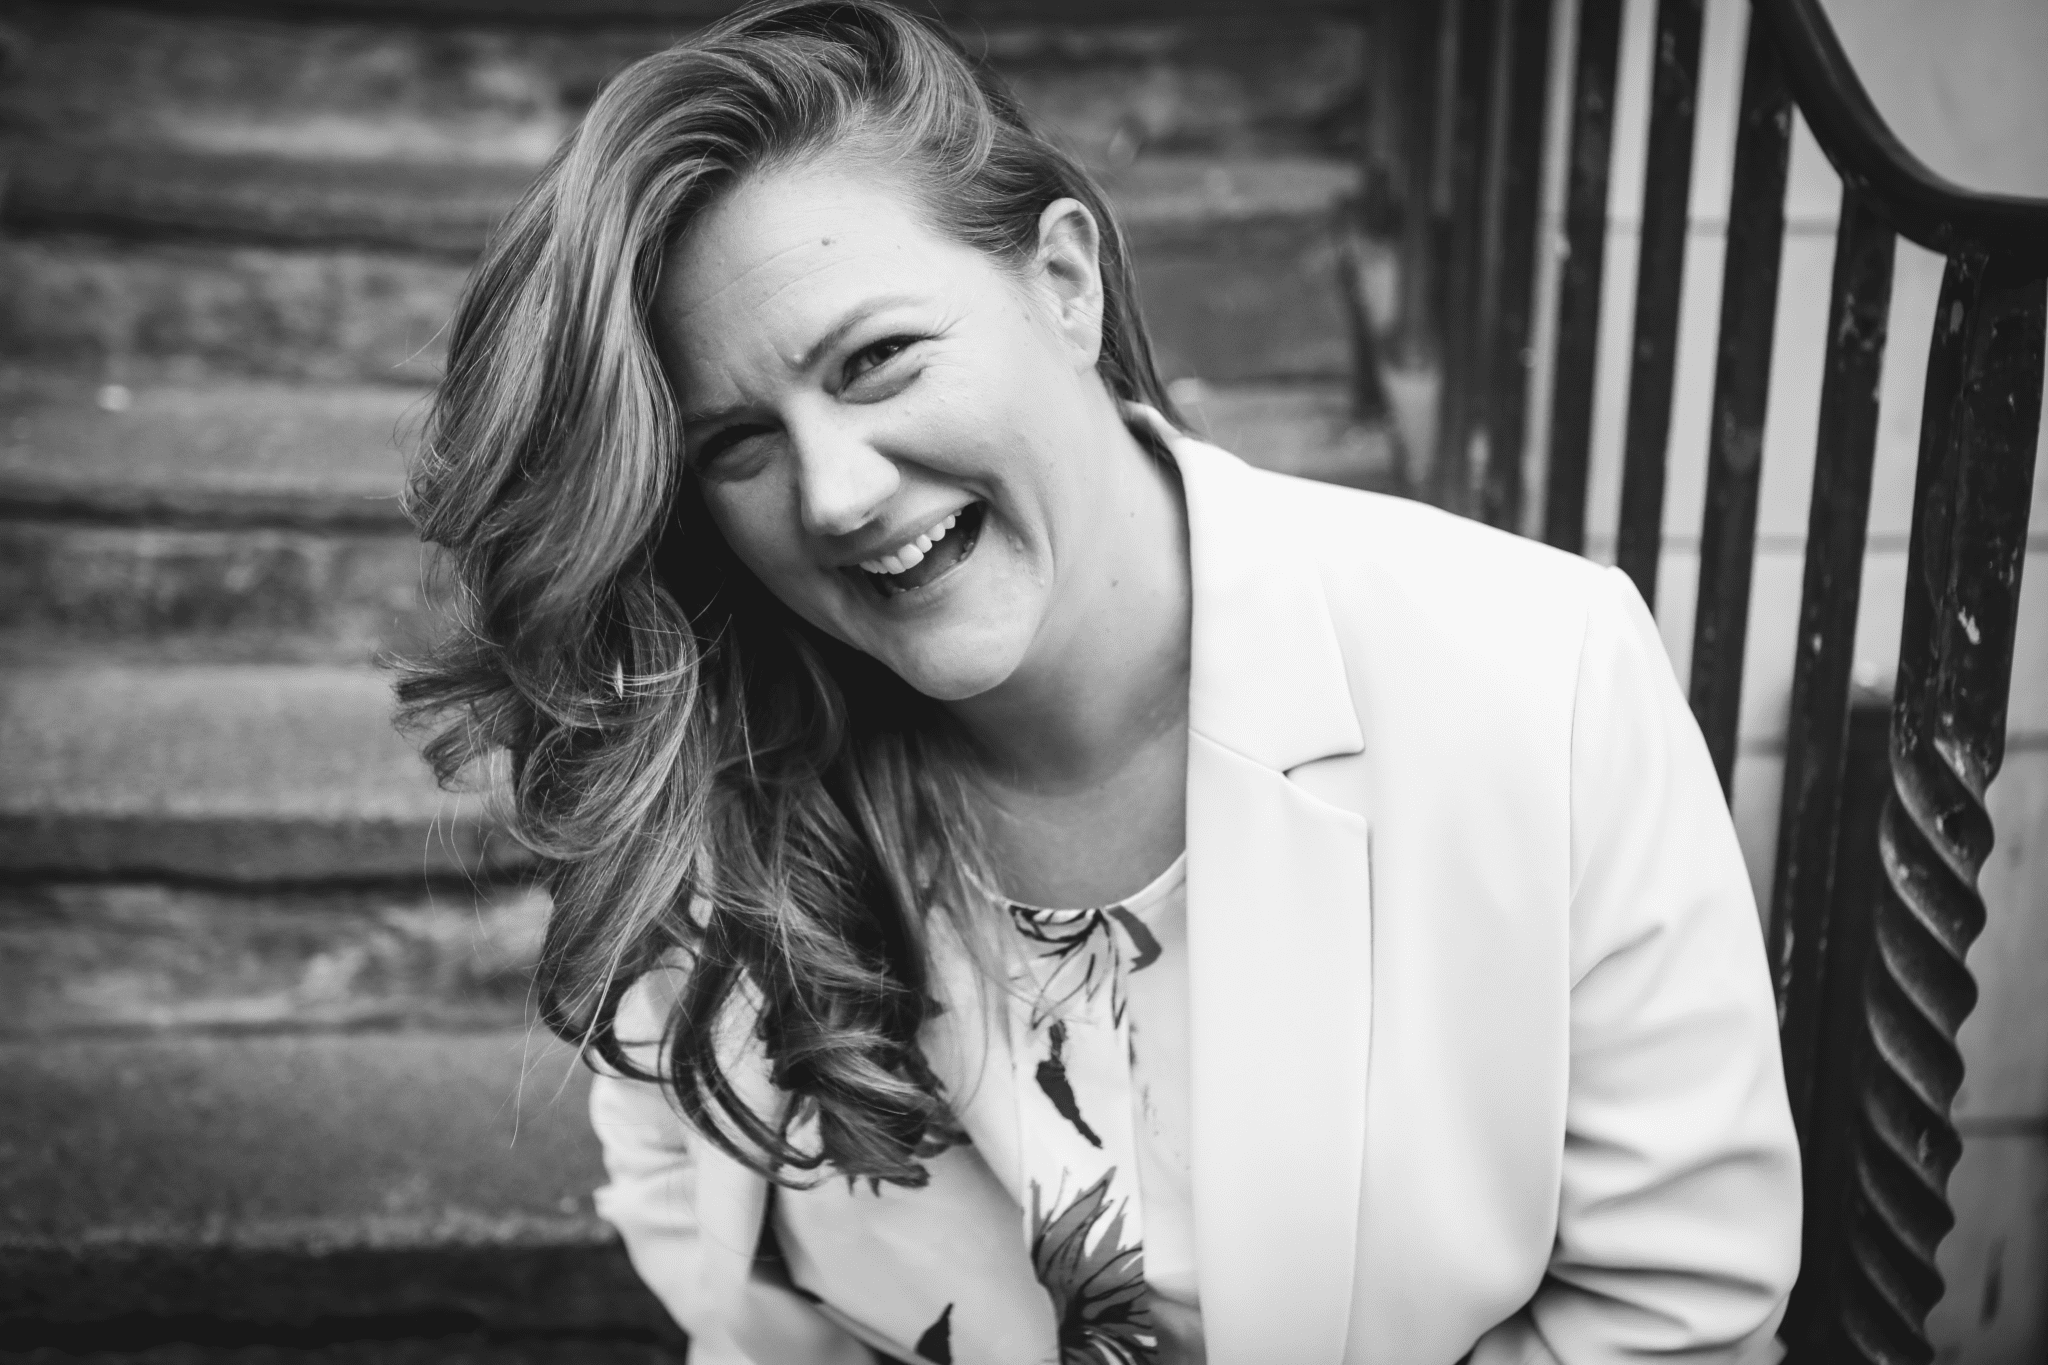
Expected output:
(1200, 914)
(908, 443)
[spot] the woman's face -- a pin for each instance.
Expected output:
(888, 427)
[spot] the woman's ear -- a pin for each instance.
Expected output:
(1068, 268)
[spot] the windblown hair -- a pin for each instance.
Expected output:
(707, 780)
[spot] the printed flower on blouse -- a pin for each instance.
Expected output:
(1097, 1283)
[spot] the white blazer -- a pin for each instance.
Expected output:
(1485, 1054)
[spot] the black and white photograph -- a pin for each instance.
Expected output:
(1023, 682)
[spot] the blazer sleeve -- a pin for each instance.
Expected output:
(1679, 1212)
(653, 1169)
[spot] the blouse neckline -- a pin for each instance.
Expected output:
(1142, 903)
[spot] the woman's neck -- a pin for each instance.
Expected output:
(1107, 680)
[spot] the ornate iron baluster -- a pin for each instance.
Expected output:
(1948, 740)
(1827, 828)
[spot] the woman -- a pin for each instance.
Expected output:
(1038, 888)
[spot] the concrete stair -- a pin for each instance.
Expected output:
(224, 772)
(305, 1188)
(330, 272)
(265, 1022)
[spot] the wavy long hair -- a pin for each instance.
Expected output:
(708, 781)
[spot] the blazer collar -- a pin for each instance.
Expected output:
(1266, 677)
(1279, 931)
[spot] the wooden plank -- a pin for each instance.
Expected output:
(1749, 301)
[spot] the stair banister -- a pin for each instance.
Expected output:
(1870, 917)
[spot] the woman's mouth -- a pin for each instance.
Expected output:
(928, 558)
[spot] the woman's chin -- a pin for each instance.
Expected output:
(953, 661)
(951, 674)
(968, 641)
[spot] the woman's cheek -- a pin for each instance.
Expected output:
(756, 517)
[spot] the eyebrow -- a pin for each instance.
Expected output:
(860, 313)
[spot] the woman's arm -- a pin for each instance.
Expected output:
(1678, 1221)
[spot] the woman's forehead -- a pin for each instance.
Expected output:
(792, 251)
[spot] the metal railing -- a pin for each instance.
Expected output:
(1867, 944)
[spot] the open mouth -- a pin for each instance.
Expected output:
(939, 558)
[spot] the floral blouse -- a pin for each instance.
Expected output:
(1095, 1207)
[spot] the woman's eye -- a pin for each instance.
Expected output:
(723, 450)
(875, 355)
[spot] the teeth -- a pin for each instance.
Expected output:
(911, 555)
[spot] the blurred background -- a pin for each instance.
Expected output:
(269, 1089)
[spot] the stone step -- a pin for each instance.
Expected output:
(177, 523)
(312, 1187)
(177, 595)
(357, 1341)
(219, 454)
(258, 521)
(238, 453)
(1306, 430)
(225, 774)
(451, 208)
(469, 81)
(104, 958)
(349, 273)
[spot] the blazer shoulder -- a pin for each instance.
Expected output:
(1398, 561)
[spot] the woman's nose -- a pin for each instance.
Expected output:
(842, 480)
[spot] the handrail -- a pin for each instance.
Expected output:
(1874, 909)
(1921, 205)
(1875, 898)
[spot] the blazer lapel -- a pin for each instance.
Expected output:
(1279, 938)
